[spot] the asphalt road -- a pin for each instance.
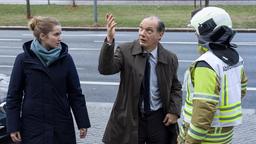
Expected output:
(85, 47)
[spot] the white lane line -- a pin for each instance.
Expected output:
(190, 43)
(7, 56)
(71, 49)
(117, 83)
(10, 39)
(9, 47)
(83, 35)
(106, 83)
(251, 88)
(180, 43)
(84, 49)
(195, 43)
(72, 35)
(6, 66)
(11, 56)
(97, 41)
(99, 83)
(10, 66)
(97, 106)
(186, 61)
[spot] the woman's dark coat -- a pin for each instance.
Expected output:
(39, 99)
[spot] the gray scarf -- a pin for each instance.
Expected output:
(45, 56)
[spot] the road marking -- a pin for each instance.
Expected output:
(251, 88)
(7, 56)
(70, 49)
(84, 49)
(180, 43)
(117, 83)
(6, 66)
(10, 39)
(10, 66)
(12, 56)
(83, 35)
(8, 47)
(190, 43)
(106, 83)
(99, 83)
(186, 61)
(76, 35)
(94, 105)
(96, 41)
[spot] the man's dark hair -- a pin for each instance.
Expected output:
(161, 26)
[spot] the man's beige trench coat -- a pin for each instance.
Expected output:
(128, 59)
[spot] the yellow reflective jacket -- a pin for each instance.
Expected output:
(204, 91)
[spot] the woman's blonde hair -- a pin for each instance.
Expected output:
(43, 25)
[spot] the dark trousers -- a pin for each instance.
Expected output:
(153, 131)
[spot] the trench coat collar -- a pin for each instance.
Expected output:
(162, 55)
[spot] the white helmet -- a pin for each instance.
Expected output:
(210, 18)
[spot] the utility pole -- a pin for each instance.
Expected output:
(28, 10)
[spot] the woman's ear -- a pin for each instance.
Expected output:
(42, 36)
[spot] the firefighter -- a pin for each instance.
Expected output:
(215, 83)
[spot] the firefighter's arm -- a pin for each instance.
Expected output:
(205, 100)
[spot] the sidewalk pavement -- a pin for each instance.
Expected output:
(100, 112)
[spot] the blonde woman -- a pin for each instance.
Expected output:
(44, 85)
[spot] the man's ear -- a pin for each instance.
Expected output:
(161, 35)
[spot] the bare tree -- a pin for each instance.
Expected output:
(207, 3)
(200, 4)
(28, 9)
(74, 3)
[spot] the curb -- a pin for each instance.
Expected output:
(134, 2)
(126, 29)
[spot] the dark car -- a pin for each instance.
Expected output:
(4, 136)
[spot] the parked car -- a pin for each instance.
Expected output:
(4, 136)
